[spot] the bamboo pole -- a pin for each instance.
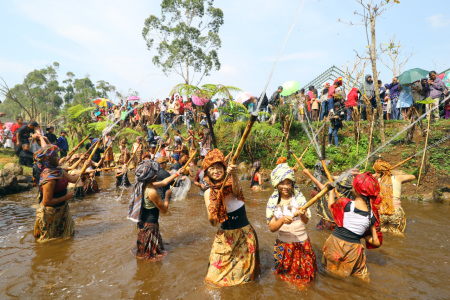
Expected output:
(245, 135)
(317, 197)
(298, 160)
(79, 144)
(370, 144)
(324, 165)
(425, 147)
(83, 169)
(184, 167)
(304, 152)
(104, 154)
(133, 155)
(402, 162)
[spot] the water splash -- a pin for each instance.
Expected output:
(180, 192)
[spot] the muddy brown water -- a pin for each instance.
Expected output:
(97, 262)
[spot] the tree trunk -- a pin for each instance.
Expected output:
(373, 59)
(208, 118)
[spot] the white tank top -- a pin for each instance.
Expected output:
(232, 203)
(294, 232)
(355, 222)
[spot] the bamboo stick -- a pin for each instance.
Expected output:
(370, 144)
(83, 169)
(324, 165)
(244, 138)
(402, 162)
(316, 198)
(79, 144)
(184, 167)
(106, 153)
(298, 160)
(425, 147)
(133, 155)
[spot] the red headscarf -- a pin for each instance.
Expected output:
(366, 185)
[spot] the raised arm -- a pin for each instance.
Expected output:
(232, 169)
(314, 179)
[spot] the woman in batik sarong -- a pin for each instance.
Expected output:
(392, 216)
(53, 218)
(343, 254)
(234, 257)
(144, 209)
(295, 260)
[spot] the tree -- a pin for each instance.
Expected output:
(188, 38)
(371, 10)
(208, 91)
(394, 51)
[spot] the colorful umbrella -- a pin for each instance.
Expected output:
(103, 102)
(133, 98)
(243, 96)
(447, 79)
(412, 75)
(290, 88)
(199, 100)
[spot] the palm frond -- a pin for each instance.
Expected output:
(76, 111)
(157, 128)
(184, 89)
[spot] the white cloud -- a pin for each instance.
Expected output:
(439, 21)
(228, 70)
(305, 55)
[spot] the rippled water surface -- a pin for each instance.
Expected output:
(97, 262)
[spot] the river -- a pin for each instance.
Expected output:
(97, 262)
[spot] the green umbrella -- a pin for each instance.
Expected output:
(290, 87)
(412, 75)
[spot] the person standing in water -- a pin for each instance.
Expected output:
(256, 180)
(392, 216)
(144, 209)
(295, 260)
(234, 255)
(343, 254)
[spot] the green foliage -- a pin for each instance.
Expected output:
(188, 37)
(76, 111)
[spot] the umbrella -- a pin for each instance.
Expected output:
(447, 79)
(199, 101)
(412, 75)
(103, 102)
(243, 96)
(290, 88)
(133, 98)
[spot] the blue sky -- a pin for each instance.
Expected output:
(103, 39)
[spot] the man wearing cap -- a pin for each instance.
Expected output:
(23, 135)
(63, 144)
(51, 136)
(274, 101)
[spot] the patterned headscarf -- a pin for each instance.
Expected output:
(345, 186)
(366, 185)
(217, 195)
(48, 172)
(147, 170)
(281, 160)
(386, 189)
(280, 173)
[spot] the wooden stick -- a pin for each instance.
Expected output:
(370, 144)
(314, 199)
(103, 169)
(83, 169)
(425, 147)
(79, 144)
(106, 153)
(298, 160)
(324, 165)
(185, 166)
(133, 155)
(244, 138)
(402, 162)
(304, 152)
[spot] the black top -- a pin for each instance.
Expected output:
(236, 219)
(148, 216)
(24, 134)
(52, 138)
(163, 174)
(26, 158)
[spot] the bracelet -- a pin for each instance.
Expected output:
(177, 175)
